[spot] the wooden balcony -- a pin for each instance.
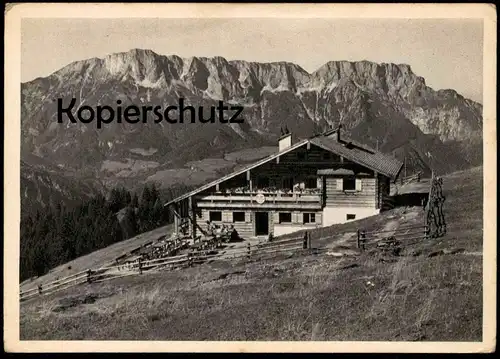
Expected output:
(302, 200)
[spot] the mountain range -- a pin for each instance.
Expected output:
(385, 106)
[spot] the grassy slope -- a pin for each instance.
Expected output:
(98, 258)
(296, 297)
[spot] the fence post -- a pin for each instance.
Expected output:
(309, 241)
(357, 242)
(304, 242)
(89, 273)
(40, 289)
(249, 250)
(363, 239)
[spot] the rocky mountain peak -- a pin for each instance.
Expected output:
(381, 104)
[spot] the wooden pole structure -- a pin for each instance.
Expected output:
(193, 217)
(405, 165)
(140, 266)
(176, 220)
(249, 180)
(249, 250)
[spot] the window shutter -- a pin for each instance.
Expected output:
(358, 184)
(340, 184)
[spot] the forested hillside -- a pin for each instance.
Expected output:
(61, 233)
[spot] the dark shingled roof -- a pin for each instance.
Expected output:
(377, 161)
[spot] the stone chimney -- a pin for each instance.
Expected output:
(338, 132)
(285, 141)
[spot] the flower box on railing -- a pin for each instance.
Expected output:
(268, 192)
(260, 197)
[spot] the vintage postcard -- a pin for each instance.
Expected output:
(250, 178)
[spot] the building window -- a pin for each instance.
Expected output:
(349, 184)
(309, 217)
(215, 216)
(238, 216)
(311, 182)
(327, 156)
(285, 217)
(301, 156)
(351, 216)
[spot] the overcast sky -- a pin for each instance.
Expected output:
(447, 53)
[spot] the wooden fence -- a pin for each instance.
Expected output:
(413, 178)
(55, 286)
(391, 238)
(140, 266)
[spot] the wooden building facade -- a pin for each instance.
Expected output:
(313, 183)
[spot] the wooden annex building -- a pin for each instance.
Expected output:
(316, 182)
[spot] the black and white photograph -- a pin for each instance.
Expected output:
(250, 177)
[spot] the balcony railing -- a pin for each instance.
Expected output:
(260, 197)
